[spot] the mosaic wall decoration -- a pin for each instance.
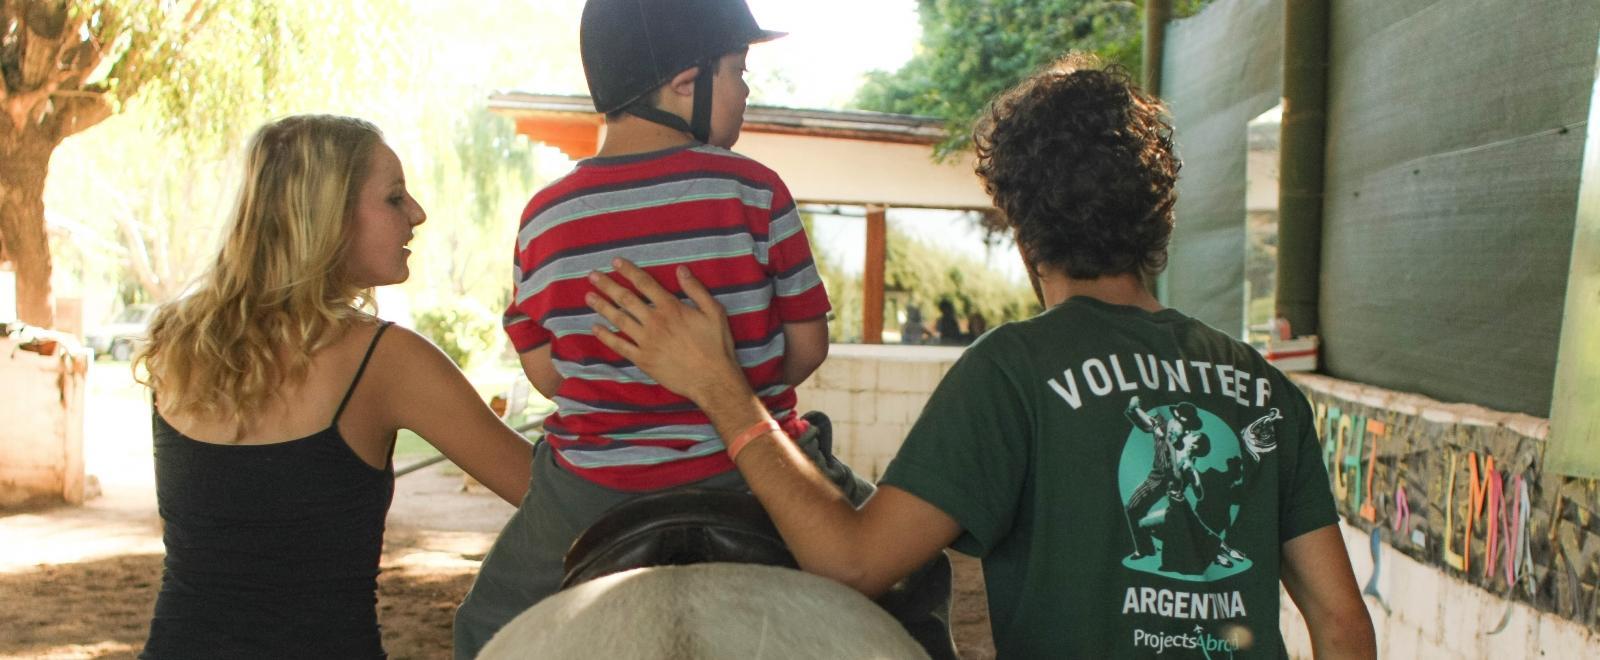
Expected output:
(1469, 498)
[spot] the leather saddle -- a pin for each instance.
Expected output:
(676, 527)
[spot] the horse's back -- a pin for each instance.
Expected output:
(705, 611)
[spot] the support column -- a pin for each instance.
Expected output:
(1302, 145)
(872, 275)
(1156, 15)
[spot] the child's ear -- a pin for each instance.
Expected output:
(683, 83)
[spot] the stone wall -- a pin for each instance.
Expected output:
(1470, 567)
(41, 424)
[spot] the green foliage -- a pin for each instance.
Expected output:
(924, 274)
(163, 171)
(124, 44)
(254, 60)
(465, 331)
(479, 181)
(844, 293)
(972, 50)
(1261, 267)
(486, 147)
(929, 274)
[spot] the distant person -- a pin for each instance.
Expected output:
(277, 399)
(914, 331)
(1023, 459)
(977, 324)
(948, 326)
(665, 190)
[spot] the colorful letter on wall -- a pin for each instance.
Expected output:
(1450, 557)
(1478, 489)
(1375, 430)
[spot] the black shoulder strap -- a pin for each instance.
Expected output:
(361, 370)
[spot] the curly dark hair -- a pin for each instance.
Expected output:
(1080, 163)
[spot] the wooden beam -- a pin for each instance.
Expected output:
(872, 276)
(1302, 151)
(577, 137)
(1157, 13)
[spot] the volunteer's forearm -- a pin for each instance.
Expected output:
(816, 520)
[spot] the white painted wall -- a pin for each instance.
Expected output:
(1433, 615)
(41, 438)
(873, 394)
(843, 171)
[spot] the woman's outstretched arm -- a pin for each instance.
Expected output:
(427, 394)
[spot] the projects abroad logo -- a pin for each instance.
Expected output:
(1199, 640)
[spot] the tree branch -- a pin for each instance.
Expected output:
(134, 66)
(138, 255)
(17, 109)
(9, 131)
(81, 60)
(51, 58)
(76, 113)
(135, 249)
(43, 29)
(161, 261)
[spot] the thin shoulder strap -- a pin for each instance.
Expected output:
(360, 370)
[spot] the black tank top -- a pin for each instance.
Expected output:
(272, 550)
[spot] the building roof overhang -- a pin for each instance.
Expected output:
(824, 156)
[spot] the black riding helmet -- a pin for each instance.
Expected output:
(632, 47)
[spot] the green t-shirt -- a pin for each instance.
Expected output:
(1121, 476)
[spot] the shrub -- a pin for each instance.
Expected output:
(464, 330)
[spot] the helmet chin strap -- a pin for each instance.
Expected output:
(701, 119)
(700, 125)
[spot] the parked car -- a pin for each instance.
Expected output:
(119, 337)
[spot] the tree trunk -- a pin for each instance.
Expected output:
(51, 48)
(24, 163)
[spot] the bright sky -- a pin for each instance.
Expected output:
(831, 45)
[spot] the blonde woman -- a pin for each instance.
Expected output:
(277, 400)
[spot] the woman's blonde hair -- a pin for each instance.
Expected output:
(276, 293)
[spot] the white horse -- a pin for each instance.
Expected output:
(711, 611)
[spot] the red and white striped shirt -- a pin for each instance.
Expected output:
(728, 218)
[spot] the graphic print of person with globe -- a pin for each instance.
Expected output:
(1191, 531)
(1165, 433)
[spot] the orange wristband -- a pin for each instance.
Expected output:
(760, 428)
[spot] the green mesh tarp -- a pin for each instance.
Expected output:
(1455, 131)
(1220, 69)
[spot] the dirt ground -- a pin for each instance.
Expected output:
(99, 606)
(80, 582)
